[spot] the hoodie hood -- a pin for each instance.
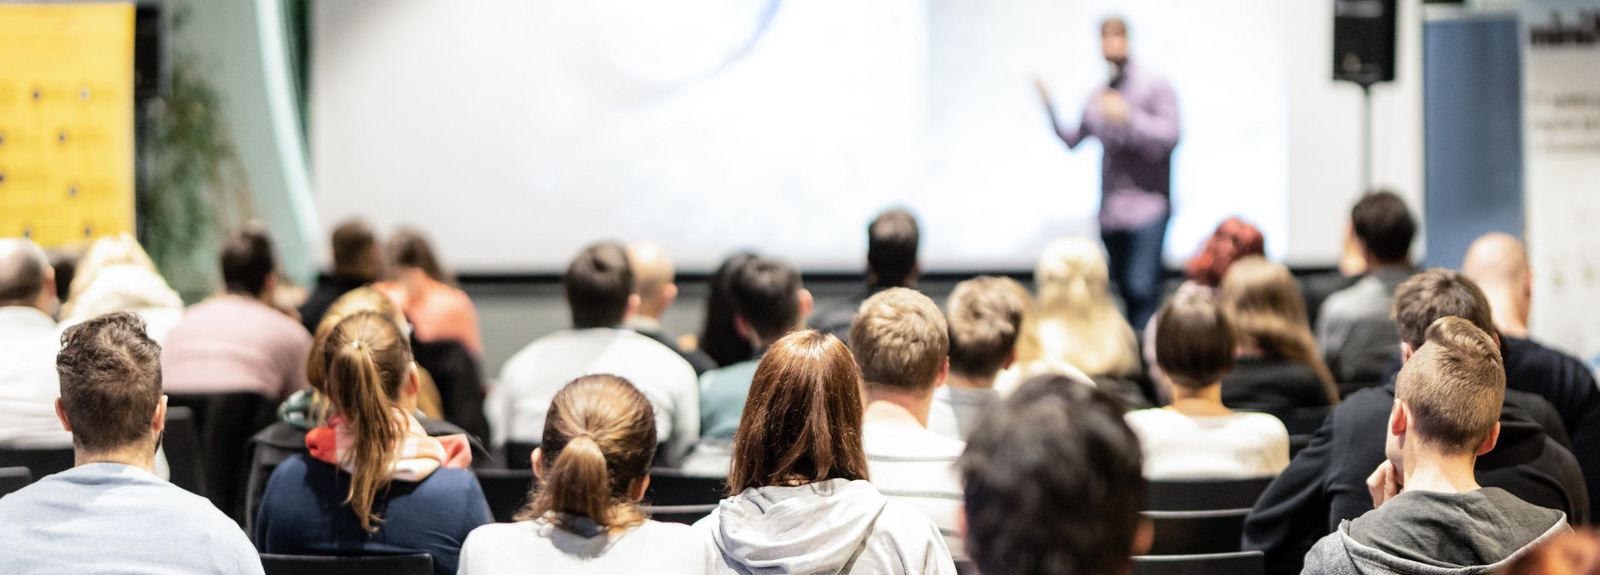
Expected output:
(815, 528)
(1340, 554)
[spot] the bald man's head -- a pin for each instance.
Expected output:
(1498, 263)
(25, 275)
(652, 278)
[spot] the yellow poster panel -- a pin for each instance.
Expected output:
(66, 121)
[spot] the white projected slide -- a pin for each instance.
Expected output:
(517, 131)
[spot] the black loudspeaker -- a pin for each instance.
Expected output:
(1364, 41)
(150, 75)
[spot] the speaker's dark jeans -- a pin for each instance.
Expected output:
(1134, 257)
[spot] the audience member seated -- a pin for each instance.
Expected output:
(439, 311)
(1358, 337)
(1197, 437)
(374, 481)
(599, 288)
(1326, 483)
(1233, 240)
(769, 303)
(1430, 515)
(235, 341)
(1499, 265)
(1572, 553)
(985, 316)
(110, 513)
(719, 337)
(28, 344)
(117, 275)
(1054, 485)
(653, 275)
(892, 240)
(594, 466)
(801, 502)
(1277, 367)
(356, 259)
(902, 344)
(1079, 324)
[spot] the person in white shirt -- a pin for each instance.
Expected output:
(1196, 436)
(599, 288)
(902, 342)
(28, 344)
(985, 316)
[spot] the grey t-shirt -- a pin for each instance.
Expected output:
(1478, 527)
(115, 518)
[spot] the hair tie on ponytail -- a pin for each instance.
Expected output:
(355, 344)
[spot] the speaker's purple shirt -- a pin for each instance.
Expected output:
(1136, 169)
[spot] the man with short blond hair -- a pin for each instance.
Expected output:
(902, 344)
(985, 316)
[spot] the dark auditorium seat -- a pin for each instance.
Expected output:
(225, 422)
(506, 490)
(40, 461)
(182, 447)
(414, 564)
(966, 567)
(14, 478)
(1304, 420)
(1197, 532)
(519, 455)
(1205, 494)
(1237, 563)
(685, 514)
(670, 487)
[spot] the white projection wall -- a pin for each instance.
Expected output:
(517, 131)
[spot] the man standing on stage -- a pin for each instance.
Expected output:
(1135, 116)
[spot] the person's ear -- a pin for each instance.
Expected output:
(538, 463)
(1011, 358)
(633, 304)
(807, 303)
(61, 414)
(669, 293)
(1490, 440)
(1406, 351)
(413, 380)
(944, 373)
(47, 292)
(1497, 343)
(159, 421)
(268, 287)
(1399, 418)
(637, 487)
(1143, 536)
(743, 328)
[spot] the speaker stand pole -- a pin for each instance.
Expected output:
(1366, 137)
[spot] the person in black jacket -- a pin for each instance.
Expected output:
(892, 240)
(653, 276)
(1326, 483)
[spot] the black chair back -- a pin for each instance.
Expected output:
(225, 422)
(670, 487)
(414, 564)
(966, 567)
(182, 446)
(1238, 563)
(685, 514)
(506, 490)
(39, 461)
(1303, 420)
(1197, 532)
(1205, 494)
(519, 455)
(14, 478)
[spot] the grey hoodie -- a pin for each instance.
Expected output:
(824, 528)
(1427, 533)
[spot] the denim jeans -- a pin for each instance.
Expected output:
(1134, 258)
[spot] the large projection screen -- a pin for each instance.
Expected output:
(516, 131)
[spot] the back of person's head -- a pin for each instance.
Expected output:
(1194, 345)
(1455, 385)
(106, 252)
(1384, 226)
(1234, 240)
(368, 361)
(892, 240)
(719, 336)
(766, 295)
(802, 421)
(1437, 293)
(1497, 260)
(110, 374)
(599, 440)
(362, 299)
(1572, 553)
(24, 272)
(985, 317)
(355, 251)
(1075, 300)
(653, 273)
(598, 285)
(901, 340)
(409, 249)
(1264, 304)
(248, 261)
(1054, 483)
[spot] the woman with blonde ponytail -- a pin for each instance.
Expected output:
(373, 482)
(593, 466)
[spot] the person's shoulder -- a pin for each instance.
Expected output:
(1261, 423)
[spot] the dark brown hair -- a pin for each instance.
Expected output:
(110, 377)
(597, 284)
(599, 437)
(985, 317)
(802, 421)
(1455, 384)
(900, 340)
(1267, 311)
(409, 249)
(1384, 226)
(892, 240)
(766, 293)
(247, 261)
(368, 361)
(1437, 293)
(1194, 341)
(355, 250)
